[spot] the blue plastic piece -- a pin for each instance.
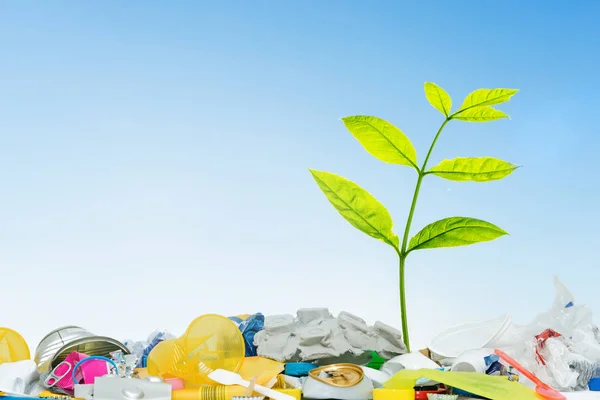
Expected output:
(249, 327)
(143, 362)
(594, 384)
(108, 360)
(491, 359)
(299, 369)
(464, 393)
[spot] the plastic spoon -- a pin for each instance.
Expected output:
(541, 388)
(231, 378)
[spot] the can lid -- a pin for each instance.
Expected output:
(58, 330)
(338, 375)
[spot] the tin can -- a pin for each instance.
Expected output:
(59, 343)
(53, 342)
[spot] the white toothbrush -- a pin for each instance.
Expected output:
(231, 378)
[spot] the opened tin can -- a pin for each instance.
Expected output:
(58, 344)
(53, 342)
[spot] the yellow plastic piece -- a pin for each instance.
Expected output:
(393, 394)
(210, 342)
(49, 395)
(295, 393)
(141, 373)
(161, 359)
(264, 370)
(280, 384)
(491, 387)
(225, 393)
(12, 347)
(210, 393)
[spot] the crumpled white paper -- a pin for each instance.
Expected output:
(316, 335)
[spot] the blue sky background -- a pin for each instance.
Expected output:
(154, 159)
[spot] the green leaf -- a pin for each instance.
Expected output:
(382, 140)
(453, 232)
(357, 206)
(438, 98)
(480, 114)
(480, 169)
(486, 97)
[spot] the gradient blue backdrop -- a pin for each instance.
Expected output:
(154, 159)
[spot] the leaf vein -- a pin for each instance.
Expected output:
(392, 143)
(349, 208)
(451, 230)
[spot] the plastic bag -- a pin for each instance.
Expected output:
(586, 370)
(18, 377)
(560, 346)
(250, 325)
(564, 317)
(556, 355)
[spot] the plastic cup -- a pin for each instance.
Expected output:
(210, 342)
(12, 347)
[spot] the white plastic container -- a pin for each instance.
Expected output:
(472, 361)
(455, 341)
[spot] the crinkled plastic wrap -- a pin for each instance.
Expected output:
(585, 369)
(567, 359)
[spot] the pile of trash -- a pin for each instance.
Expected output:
(313, 355)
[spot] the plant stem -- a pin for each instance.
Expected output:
(433, 144)
(403, 304)
(402, 253)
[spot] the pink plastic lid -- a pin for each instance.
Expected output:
(176, 383)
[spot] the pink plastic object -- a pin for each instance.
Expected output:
(176, 383)
(92, 369)
(62, 375)
(541, 388)
(59, 376)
